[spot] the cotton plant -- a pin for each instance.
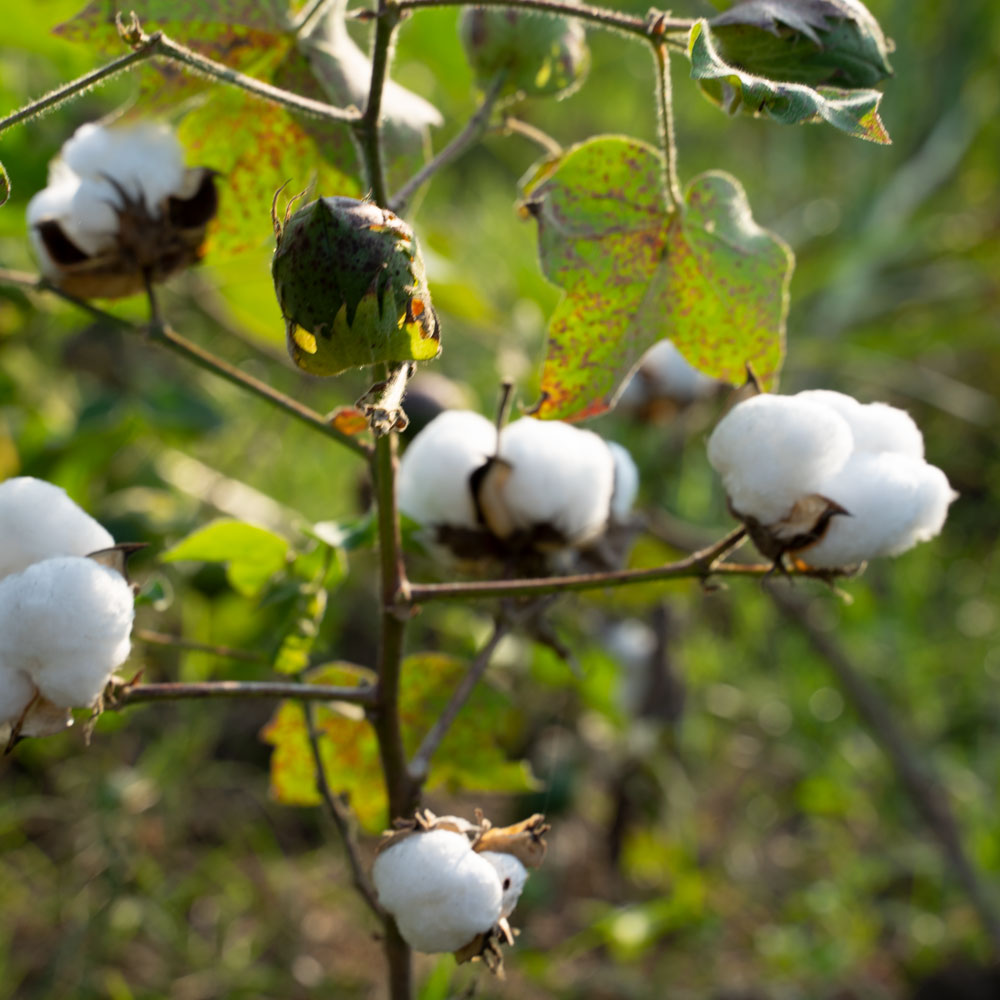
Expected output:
(536, 488)
(826, 480)
(451, 885)
(65, 612)
(120, 210)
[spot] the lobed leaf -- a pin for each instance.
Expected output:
(704, 274)
(252, 554)
(852, 111)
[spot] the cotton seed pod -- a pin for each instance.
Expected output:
(66, 624)
(828, 480)
(351, 285)
(539, 56)
(38, 520)
(120, 208)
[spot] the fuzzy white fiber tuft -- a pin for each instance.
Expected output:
(772, 451)
(560, 475)
(65, 623)
(512, 875)
(38, 520)
(440, 892)
(434, 471)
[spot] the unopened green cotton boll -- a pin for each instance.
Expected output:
(538, 56)
(351, 285)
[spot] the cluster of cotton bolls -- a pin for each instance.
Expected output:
(828, 480)
(451, 885)
(120, 208)
(65, 619)
(538, 487)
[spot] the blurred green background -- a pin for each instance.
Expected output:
(739, 836)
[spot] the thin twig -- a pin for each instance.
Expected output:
(190, 645)
(144, 51)
(665, 102)
(474, 129)
(136, 694)
(343, 820)
(172, 341)
(603, 17)
(420, 765)
(914, 772)
(699, 565)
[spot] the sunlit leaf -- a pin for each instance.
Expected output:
(852, 111)
(4, 185)
(349, 420)
(297, 645)
(704, 275)
(252, 554)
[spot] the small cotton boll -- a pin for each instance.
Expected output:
(894, 502)
(875, 426)
(439, 891)
(38, 520)
(772, 450)
(560, 476)
(626, 482)
(673, 376)
(66, 622)
(145, 159)
(434, 471)
(512, 875)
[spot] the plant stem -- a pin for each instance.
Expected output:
(474, 129)
(137, 694)
(601, 16)
(167, 338)
(420, 765)
(176, 642)
(367, 129)
(342, 820)
(915, 774)
(665, 101)
(145, 50)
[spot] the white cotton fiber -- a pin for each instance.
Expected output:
(38, 521)
(772, 450)
(433, 483)
(512, 876)
(16, 692)
(626, 482)
(440, 892)
(145, 159)
(560, 476)
(875, 426)
(894, 501)
(66, 623)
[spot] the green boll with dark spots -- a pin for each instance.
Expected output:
(351, 285)
(538, 55)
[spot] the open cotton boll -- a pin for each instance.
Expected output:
(512, 875)
(439, 891)
(38, 520)
(559, 476)
(773, 450)
(84, 208)
(145, 159)
(875, 426)
(66, 622)
(626, 482)
(433, 483)
(894, 501)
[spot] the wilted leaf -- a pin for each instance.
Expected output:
(468, 757)
(252, 554)
(705, 275)
(852, 111)
(804, 41)
(349, 420)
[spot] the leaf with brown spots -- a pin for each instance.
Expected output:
(704, 275)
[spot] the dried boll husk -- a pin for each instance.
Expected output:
(351, 285)
(120, 209)
(38, 520)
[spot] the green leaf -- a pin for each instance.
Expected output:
(705, 275)
(468, 757)
(298, 642)
(804, 41)
(4, 185)
(253, 555)
(852, 111)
